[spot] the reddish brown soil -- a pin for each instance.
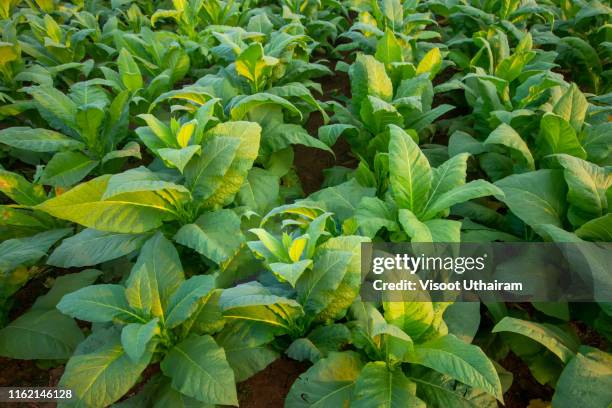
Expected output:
(525, 387)
(269, 388)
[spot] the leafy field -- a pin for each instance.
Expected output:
(186, 186)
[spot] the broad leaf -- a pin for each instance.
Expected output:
(327, 384)
(199, 369)
(464, 362)
(378, 386)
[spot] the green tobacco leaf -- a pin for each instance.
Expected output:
(588, 186)
(416, 230)
(553, 338)
(129, 71)
(253, 65)
(439, 390)
(473, 189)
(368, 77)
(141, 185)
(410, 173)
(506, 136)
(378, 386)
(388, 49)
(598, 229)
(245, 346)
(319, 343)
(253, 302)
(65, 284)
(131, 149)
(260, 190)
(20, 190)
(241, 106)
(101, 377)
(343, 198)
(56, 107)
(157, 134)
(156, 275)
(84, 205)
(40, 334)
(558, 136)
(372, 214)
(66, 169)
(333, 283)
(536, 197)
(378, 114)
(26, 251)
(187, 298)
(135, 338)
(463, 320)
(92, 247)
(317, 286)
(464, 362)
(586, 380)
(289, 272)
(216, 235)
(38, 140)
(215, 179)
(572, 106)
(327, 384)
(179, 157)
(97, 303)
(198, 368)
(431, 63)
(447, 176)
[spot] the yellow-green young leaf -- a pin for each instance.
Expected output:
(8, 53)
(103, 376)
(348, 288)
(368, 77)
(253, 65)
(185, 132)
(178, 157)
(410, 173)
(129, 212)
(388, 49)
(157, 274)
(53, 30)
(431, 63)
(198, 368)
(297, 248)
(572, 106)
(248, 134)
(129, 71)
